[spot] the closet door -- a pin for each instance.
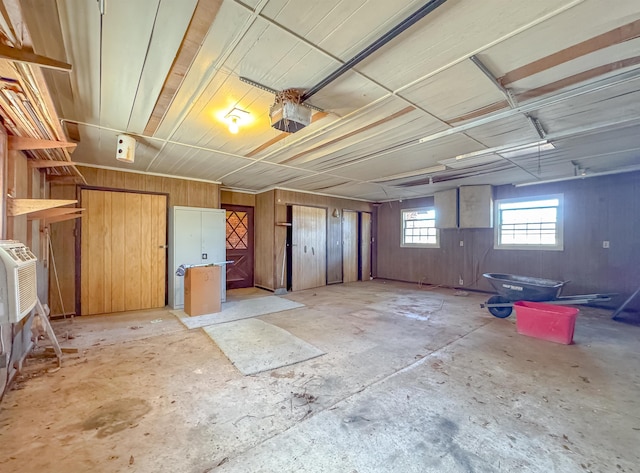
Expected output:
(309, 249)
(349, 246)
(123, 255)
(187, 247)
(365, 246)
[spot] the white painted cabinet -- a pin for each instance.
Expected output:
(196, 236)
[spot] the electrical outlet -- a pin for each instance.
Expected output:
(605, 244)
(461, 242)
(461, 281)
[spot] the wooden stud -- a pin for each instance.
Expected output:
(28, 143)
(21, 55)
(24, 206)
(203, 15)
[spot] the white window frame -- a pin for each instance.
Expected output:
(402, 230)
(558, 246)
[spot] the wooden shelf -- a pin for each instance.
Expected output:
(27, 143)
(52, 213)
(17, 207)
(61, 218)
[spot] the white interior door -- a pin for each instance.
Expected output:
(187, 229)
(213, 249)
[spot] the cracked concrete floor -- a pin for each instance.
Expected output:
(413, 380)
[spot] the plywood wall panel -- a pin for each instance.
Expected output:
(181, 192)
(237, 198)
(334, 224)
(62, 258)
(596, 209)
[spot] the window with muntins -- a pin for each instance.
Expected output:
(529, 224)
(419, 228)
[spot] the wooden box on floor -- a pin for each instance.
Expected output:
(202, 290)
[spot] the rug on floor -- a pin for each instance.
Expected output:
(254, 346)
(236, 310)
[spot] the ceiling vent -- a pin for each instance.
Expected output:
(288, 114)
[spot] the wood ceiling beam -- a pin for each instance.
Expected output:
(616, 36)
(382, 121)
(550, 88)
(315, 117)
(203, 15)
(21, 55)
(48, 163)
(27, 143)
(577, 78)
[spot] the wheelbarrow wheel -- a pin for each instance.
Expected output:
(500, 312)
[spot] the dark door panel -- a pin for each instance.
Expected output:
(239, 246)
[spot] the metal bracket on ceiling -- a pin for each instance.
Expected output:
(274, 92)
(535, 123)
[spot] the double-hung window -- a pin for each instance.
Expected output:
(419, 228)
(533, 223)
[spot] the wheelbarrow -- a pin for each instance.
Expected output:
(512, 288)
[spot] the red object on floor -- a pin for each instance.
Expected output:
(546, 321)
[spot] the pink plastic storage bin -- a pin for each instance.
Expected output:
(546, 321)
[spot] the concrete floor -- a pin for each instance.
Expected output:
(413, 380)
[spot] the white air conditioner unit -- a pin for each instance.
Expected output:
(18, 282)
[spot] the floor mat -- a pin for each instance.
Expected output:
(236, 310)
(254, 346)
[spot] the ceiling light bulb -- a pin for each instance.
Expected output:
(233, 125)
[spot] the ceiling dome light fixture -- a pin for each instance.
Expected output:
(233, 124)
(235, 118)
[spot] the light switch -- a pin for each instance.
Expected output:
(605, 244)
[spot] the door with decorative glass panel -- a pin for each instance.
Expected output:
(239, 246)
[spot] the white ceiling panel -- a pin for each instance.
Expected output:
(317, 183)
(272, 57)
(341, 27)
(515, 129)
(613, 57)
(81, 31)
(613, 104)
(182, 160)
(229, 25)
(580, 23)
(413, 158)
(348, 93)
(261, 176)
(171, 22)
(126, 32)
(450, 34)
(453, 92)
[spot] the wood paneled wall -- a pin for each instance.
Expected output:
(270, 275)
(237, 198)
(596, 209)
(180, 191)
